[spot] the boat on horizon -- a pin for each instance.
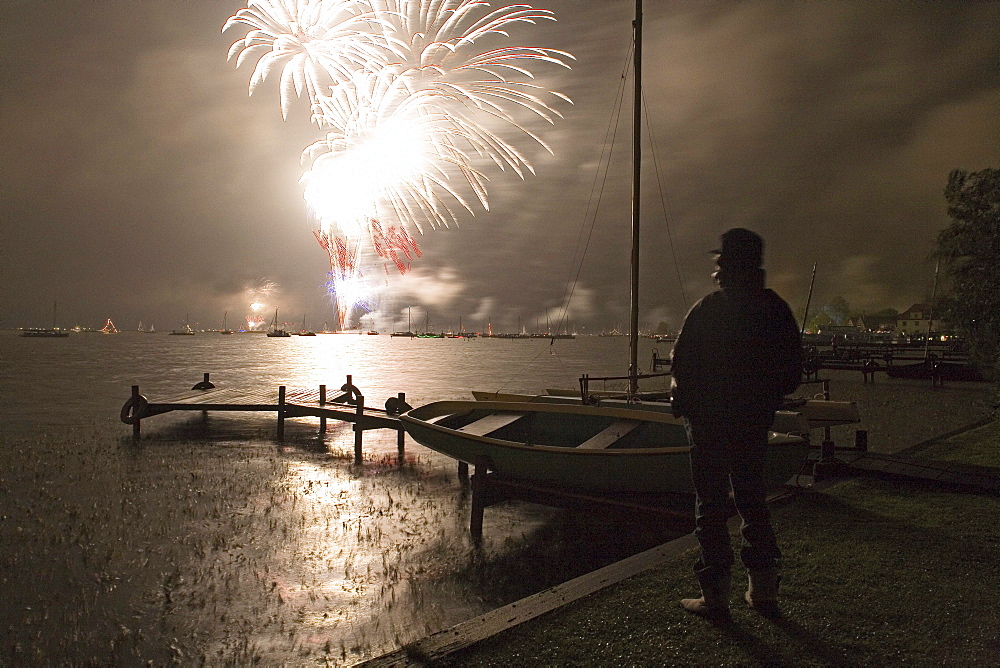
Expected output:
(275, 331)
(225, 330)
(42, 333)
(304, 331)
(187, 331)
(409, 327)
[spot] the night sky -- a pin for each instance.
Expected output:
(140, 182)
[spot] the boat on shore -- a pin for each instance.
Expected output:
(931, 369)
(796, 416)
(578, 444)
(601, 449)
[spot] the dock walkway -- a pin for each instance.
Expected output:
(347, 406)
(980, 479)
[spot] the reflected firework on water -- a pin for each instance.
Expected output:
(411, 98)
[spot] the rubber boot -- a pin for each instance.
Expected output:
(714, 601)
(762, 594)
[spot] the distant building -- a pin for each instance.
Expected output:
(916, 321)
(841, 333)
(877, 324)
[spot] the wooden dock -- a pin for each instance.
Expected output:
(348, 405)
(867, 464)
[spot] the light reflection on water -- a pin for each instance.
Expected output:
(278, 553)
(211, 538)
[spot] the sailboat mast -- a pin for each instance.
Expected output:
(805, 314)
(633, 341)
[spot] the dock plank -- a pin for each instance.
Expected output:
(298, 402)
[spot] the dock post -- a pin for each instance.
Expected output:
(400, 432)
(136, 430)
(479, 492)
(359, 431)
(322, 401)
(868, 368)
(861, 440)
(205, 383)
(281, 412)
(463, 473)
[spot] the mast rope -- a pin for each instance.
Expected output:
(550, 349)
(664, 203)
(590, 216)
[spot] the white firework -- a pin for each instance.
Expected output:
(411, 101)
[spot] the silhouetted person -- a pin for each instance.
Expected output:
(737, 355)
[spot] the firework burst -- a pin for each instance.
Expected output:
(411, 101)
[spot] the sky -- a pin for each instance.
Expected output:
(140, 182)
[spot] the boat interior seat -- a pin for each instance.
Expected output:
(490, 423)
(609, 435)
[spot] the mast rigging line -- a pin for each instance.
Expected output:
(665, 203)
(590, 218)
(590, 215)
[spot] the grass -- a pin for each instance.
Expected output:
(978, 447)
(874, 571)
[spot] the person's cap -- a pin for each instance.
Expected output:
(739, 248)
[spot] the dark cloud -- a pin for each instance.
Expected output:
(140, 180)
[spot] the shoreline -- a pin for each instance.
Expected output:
(466, 635)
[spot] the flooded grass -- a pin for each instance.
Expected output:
(208, 543)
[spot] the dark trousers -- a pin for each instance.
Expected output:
(729, 456)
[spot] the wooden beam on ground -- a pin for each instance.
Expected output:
(439, 645)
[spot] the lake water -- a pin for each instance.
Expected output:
(209, 541)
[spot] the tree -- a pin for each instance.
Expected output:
(970, 247)
(818, 322)
(838, 309)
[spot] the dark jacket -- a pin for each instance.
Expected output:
(737, 355)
